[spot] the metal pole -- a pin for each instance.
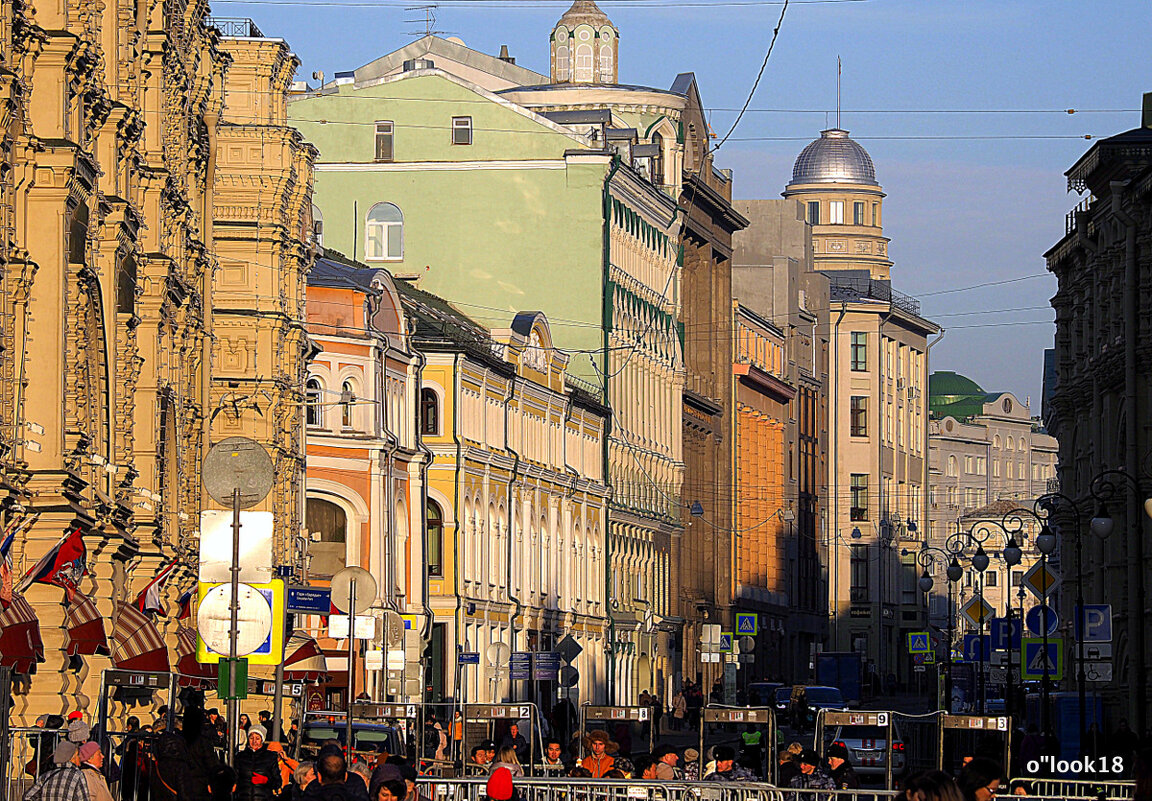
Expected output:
(1020, 654)
(234, 609)
(351, 667)
(1078, 623)
(1008, 662)
(1044, 687)
(983, 663)
(278, 696)
(948, 652)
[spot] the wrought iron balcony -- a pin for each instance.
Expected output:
(240, 27)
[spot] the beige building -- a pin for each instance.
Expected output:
(877, 402)
(151, 301)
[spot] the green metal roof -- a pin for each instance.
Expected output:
(953, 395)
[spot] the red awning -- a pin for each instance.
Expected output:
(192, 673)
(303, 659)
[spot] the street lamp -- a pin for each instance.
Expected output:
(924, 557)
(1012, 555)
(1046, 544)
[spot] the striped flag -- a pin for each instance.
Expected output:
(85, 628)
(6, 540)
(136, 643)
(184, 604)
(20, 644)
(63, 566)
(151, 597)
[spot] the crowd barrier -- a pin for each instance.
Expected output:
(1076, 788)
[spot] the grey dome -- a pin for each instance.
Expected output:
(834, 158)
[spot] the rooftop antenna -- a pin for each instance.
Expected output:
(839, 70)
(427, 20)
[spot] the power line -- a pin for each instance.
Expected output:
(759, 75)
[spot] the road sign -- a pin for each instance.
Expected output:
(1040, 618)
(1035, 658)
(710, 637)
(342, 595)
(1098, 671)
(1041, 580)
(237, 463)
(1006, 634)
(468, 658)
(271, 649)
(520, 668)
(1097, 651)
(216, 546)
(977, 611)
(569, 676)
(725, 642)
(747, 623)
(226, 668)
(918, 659)
(545, 666)
(1094, 624)
(919, 642)
(568, 648)
(309, 600)
(977, 647)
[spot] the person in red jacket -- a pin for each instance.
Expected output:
(601, 748)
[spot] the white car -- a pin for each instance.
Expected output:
(868, 748)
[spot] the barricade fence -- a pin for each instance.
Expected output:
(638, 790)
(1077, 788)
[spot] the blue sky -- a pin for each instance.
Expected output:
(959, 211)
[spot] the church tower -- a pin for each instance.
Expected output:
(585, 46)
(835, 180)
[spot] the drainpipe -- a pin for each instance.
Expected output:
(1135, 517)
(426, 464)
(833, 539)
(389, 456)
(1091, 248)
(457, 551)
(517, 606)
(882, 560)
(605, 327)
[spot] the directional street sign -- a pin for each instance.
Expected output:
(976, 648)
(1041, 617)
(1094, 623)
(977, 611)
(918, 642)
(726, 642)
(1041, 580)
(1006, 634)
(747, 623)
(469, 658)
(1035, 658)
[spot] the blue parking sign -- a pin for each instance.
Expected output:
(1094, 623)
(1006, 634)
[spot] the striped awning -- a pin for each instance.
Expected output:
(303, 659)
(192, 673)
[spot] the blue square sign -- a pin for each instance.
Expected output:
(1006, 634)
(1094, 623)
(747, 624)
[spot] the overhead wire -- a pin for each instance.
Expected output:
(759, 76)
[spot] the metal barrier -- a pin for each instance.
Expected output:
(762, 719)
(27, 754)
(619, 716)
(1077, 788)
(5, 718)
(638, 790)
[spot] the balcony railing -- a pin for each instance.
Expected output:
(240, 27)
(842, 287)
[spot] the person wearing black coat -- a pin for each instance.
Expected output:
(840, 769)
(171, 777)
(257, 769)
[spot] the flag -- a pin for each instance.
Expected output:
(6, 540)
(85, 628)
(63, 566)
(150, 598)
(136, 643)
(20, 644)
(184, 604)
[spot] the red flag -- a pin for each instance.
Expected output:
(63, 566)
(85, 628)
(150, 598)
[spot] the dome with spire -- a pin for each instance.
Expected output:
(834, 158)
(584, 12)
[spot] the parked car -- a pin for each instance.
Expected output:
(816, 697)
(782, 699)
(762, 693)
(868, 748)
(367, 738)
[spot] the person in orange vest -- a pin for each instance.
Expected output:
(601, 748)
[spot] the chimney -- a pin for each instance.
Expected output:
(1146, 117)
(505, 57)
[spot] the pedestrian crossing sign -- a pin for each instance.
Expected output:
(747, 624)
(1037, 658)
(918, 642)
(726, 642)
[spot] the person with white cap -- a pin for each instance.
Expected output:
(91, 765)
(257, 769)
(65, 782)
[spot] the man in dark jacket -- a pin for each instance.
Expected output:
(257, 769)
(840, 769)
(514, 739)
(171, 778)
(333, 781)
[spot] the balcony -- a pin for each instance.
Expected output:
(235, 27)
(844, 287)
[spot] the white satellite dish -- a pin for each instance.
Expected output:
(253, 620)
(498, 654)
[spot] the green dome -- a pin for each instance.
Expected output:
(951, 394)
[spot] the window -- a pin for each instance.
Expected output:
(859, 565)
(859, 415)
(990, 578)
(658, 160)
(1017, 577)
(328, 525)
(584, 66)
(858, 213)
(836, 212)
(461, 130)
(435, 555)
(563, 63)
(429, 413)
(969, 465)
(952, 466)
(317, 225)
(859, 496)
(814, 212)
(347, 405)
(876, 214)
(313, 398)
(606, 70)
(384, 141)
(995, 468)
(859, 352)
(384, 233)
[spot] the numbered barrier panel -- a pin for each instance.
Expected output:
(755, 731)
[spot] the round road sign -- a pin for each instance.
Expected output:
(253, 620)
(237, 463)
(342, 590)
(569, 676)
(498, 654)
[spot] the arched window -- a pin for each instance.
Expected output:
(658, 160)
(384, 233)
(347, 405)
(328, 525)
(435, 554)
(606, 63)
(313, 398)
(585, 69)
(429, 412)
(563, 64)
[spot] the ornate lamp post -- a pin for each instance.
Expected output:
(1046, 544)
(1012, 555)
(957, 545)
(925, 556)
